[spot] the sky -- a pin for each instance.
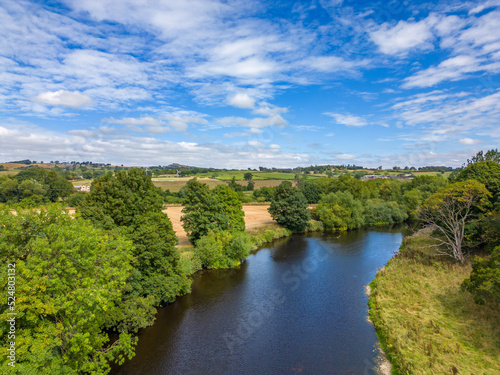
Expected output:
(246, 83)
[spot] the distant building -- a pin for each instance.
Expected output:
(82, 188)
(373, 176)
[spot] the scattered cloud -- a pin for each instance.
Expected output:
(241, 100)
(403, 37)
(469, 141)
(71, 99)
(348, 120)
(346, 156)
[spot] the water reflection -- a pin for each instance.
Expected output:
(296, 307)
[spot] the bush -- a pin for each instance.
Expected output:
(484, 280)
(223, 249)
(189, 262)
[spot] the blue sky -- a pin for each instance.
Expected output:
(242, 83)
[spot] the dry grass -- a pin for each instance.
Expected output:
(426, 323)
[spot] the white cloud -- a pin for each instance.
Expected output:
(71, 99)
(180, 120)
(147, 120)
(242, 100)
(348, 120)
(469, 141)
(118, 147)
(346, 156)
(333, 64)
(254, 123)
(439, 116)
(453, 69)
(474, 48)
(255, 144)
(403, 37)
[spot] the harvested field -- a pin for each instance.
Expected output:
(174, 186)
(255, 216)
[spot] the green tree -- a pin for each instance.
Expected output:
(311, 192)
(232, 206)
(156, 257)
(248, 176)
(203, 212)
(117, 200)
(338, 211)
(484, 280)
(69, 281)
(486, 172)
(377, 212)
(129, 202)
(449, 210)
(250, 186)
(289, 207)
(234, 185)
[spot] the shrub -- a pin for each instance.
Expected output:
(484, 280)
(223, 249)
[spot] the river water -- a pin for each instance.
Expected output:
(296, 306)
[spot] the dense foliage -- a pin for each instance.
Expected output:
(69, 279)
(289, 207)
(223, 249)
(232, 206)
(117, 200)
(203, 211)
(484, 280)
(130, 204)
(33, 186)
(449, 210)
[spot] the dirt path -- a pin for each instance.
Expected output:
(255, 216)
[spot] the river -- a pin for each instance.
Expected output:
(296, 306)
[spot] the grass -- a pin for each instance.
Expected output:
(425, 322)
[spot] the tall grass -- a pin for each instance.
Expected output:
(425, 322)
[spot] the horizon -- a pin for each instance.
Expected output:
(246, 84)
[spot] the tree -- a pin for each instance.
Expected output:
(449, 210)
(311, 192)
(490, 155)
(338, 211)
(129, 202)
(250, 186)
(69, 278)
(156, 257)
(248, 176)
(289, 207)
(232, 206)
(117, 200)
(484, 280)
(486, 172)
(234, 185)
(203, 212)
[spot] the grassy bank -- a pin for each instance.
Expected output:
(425, 322)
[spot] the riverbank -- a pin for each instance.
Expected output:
(425, 323)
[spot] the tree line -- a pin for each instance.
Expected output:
(107, 268)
